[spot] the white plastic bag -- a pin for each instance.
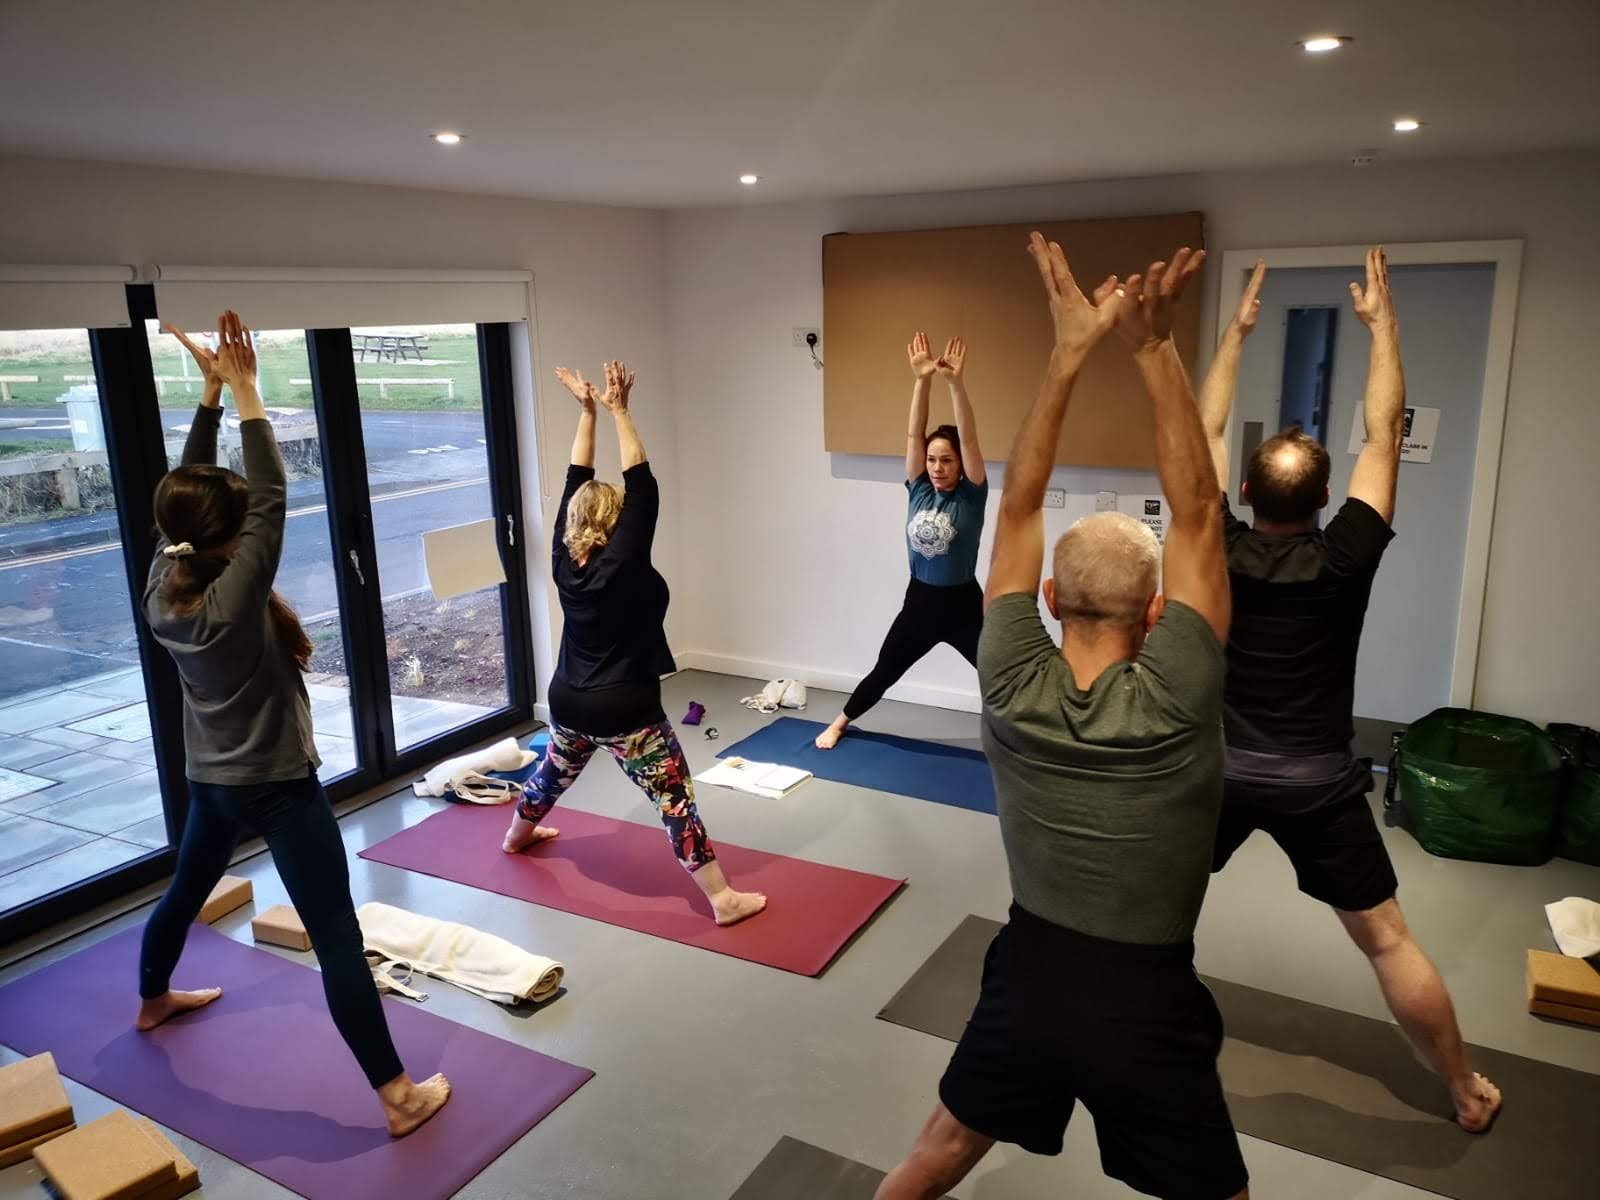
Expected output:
(780, 693)
(1576, 924)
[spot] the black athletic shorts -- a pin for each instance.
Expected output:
(1325, 825)
(1129, 1030)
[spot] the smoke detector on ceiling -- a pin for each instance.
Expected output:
(1364, 157)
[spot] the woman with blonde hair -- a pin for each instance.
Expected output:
(606, 693)
(240, 653)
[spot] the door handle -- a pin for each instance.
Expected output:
(355, 565)
(511, 530)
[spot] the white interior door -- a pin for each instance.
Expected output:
(1408, 649)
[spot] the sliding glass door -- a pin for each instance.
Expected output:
(79, 793)
(435, 526)
(402, 556)
(433, 571)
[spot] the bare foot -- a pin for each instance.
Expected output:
(829, 737)
(731, 907)
(1477, 1105)
(523, 834)
(407, 1106)
(163, 1008)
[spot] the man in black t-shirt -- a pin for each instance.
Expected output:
(1299, 599)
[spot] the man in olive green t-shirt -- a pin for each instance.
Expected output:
(1107, 760)
(1106, 793)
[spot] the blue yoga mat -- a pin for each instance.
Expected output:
(905, 766)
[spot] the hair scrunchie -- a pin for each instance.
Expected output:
(181, 550)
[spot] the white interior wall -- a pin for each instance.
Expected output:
(598, 282)
(794, 570)
(785, 560)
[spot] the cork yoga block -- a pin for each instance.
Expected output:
(280, 926)
(188, 1174)
(1561, 979)
(1565, 1012)
(12, 1155)
(230, 893)
(33, 1102)
(109, 1159)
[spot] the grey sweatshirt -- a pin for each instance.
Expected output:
(246, 718)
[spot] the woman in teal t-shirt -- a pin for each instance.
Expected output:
(947, 490)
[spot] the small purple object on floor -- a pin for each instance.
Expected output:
(262, 1076)
(696, 711)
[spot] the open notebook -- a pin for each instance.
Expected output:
(758, 778)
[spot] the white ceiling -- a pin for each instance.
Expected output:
(665, 102)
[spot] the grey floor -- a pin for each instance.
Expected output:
(704, 1061)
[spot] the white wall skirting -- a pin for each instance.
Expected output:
(761, 670)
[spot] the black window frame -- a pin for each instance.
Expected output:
(136, 453)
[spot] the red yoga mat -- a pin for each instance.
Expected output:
(625, 874)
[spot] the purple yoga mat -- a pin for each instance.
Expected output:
(625, 874)
(263, 1077)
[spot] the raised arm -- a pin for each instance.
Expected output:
(1018, 556)
(200, 448)
(1222, 380)
(951, 365)
(619, 383)
(1377, 468)
(585, 394)
(641, 499)
(1194, 567)
(922, 368)
(246, 582)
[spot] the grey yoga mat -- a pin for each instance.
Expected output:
(1342, 1087)
(796, 1170)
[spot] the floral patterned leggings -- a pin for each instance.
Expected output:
(651, 757)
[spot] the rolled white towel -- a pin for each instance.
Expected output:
(504, 755)
(478, 962)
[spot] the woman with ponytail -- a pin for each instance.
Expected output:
(606, 694)
(251, 763)
(947, 487)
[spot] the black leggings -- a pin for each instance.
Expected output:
(297, 822)
(953, 615)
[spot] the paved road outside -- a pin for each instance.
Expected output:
(386, 433)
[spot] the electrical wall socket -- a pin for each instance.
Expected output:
(1105, 502)
(800, 332)
(1055, 497)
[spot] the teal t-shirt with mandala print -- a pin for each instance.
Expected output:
(943, 529)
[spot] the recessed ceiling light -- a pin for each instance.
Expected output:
(1406, 124)
(447, 137)
(1324, 43)
(747, 179)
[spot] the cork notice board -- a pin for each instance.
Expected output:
(980, 283)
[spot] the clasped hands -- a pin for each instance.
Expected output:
(619, 383)
(233, 362)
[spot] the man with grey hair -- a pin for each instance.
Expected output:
(1107, 759)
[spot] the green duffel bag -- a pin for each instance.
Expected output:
(1479, 786)
(1578, 827)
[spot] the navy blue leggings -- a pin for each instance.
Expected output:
(297, 822)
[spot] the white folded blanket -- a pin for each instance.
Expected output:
(1576, 924)
(473, 960)
(504, 755)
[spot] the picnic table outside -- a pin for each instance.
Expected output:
(396, 347)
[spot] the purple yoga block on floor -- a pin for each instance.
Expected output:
(262, 1076)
